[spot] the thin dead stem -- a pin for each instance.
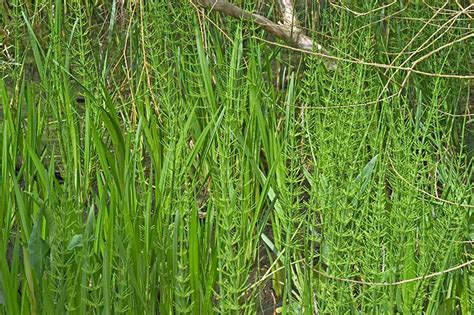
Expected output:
(357, 14)
(396, 283)
(449, 202)
(373, 64)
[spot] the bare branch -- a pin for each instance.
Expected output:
(287, 31)
(287, 10)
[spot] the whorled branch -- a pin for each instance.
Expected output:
(289, 31)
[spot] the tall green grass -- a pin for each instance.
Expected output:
(156, 158)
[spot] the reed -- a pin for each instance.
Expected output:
(158, 157)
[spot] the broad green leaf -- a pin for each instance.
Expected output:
(37, 247)
(76, 241)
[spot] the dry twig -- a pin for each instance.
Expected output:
(289, 31)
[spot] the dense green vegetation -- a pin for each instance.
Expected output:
(156, 157)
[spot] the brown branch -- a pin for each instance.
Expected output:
(288, 12)
(288, 31)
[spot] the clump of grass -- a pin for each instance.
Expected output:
(150, 164)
